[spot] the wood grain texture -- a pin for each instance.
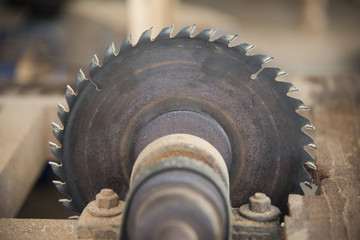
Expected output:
(335, 212)
(41, 229)
(25, 128)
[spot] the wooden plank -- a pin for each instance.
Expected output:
(24, 131)
(335, 213)
(39, 229)
(299, 206)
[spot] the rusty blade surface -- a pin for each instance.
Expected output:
(258, 131)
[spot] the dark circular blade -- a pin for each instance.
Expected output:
(192, 74)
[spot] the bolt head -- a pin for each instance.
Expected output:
(107, 198)
(259, 203)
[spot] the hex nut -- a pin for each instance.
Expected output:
(106, 204)
(260, 209)
(107, 198)
(259, 203)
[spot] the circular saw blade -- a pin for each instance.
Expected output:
(181, 73)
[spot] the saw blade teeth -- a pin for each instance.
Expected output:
(185, 32)
(68, 203)
(56, 150)
(283, 87)
(65, 201)
(311, 165)
(53, 145)
(232, 39)
(95, 60)
(309, 127)
(165, 33)
(281, 73)
(244, 47)
(57, 131)
(297, 103)
(268, 73)
(306, 156)
(61, 187)
(112, 48)
(256, 61)
(57, 169)
(55, 164)
(109, 54)
(308, 184)
(303, 176)
(126, 44)
(306, 139)
(62, 108)
(70, 90)
(145, 37)
(303, 108)
(81, 74)
(56, 127)
(293, 89)
(70, 96)
(205, 34)
(80, 80)
(225, 39)
(312, 146)
(266, 59)
(58, 183)
(94, 66)
(62, 114)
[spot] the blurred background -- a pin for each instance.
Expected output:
(43, 43)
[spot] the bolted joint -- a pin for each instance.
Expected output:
(260, 209)
(101, 218)
(106, 204)
(259, 203)
(107, 199)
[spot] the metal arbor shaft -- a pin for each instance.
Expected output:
(181, 84)
(179, 190)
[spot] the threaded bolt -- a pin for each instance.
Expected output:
(107, 198)
(259, 203)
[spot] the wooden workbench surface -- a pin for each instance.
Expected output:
(334, 110)
(39, 229)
